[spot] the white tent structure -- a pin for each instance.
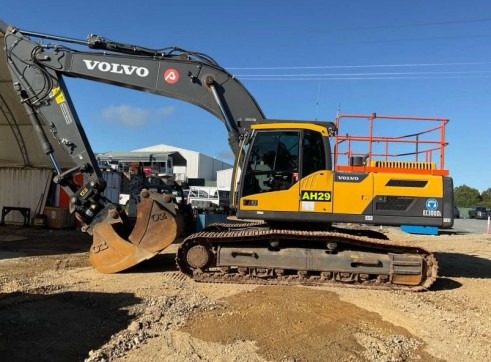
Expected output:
(19, 145)
(24, 168)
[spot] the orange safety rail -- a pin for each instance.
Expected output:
(363, 154)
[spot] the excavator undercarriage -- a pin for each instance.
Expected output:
(257, 254)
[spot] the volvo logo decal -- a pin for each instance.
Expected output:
(116, 68)
(349, 176)
(431, 204)
(432, 208)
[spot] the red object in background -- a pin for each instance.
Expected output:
(64, 199)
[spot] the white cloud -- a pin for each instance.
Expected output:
(134, 117)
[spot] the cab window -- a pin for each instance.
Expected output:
(272, 163)
(314, 155)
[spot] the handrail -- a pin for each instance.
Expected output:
(427, 142)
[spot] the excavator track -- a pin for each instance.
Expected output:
(250, 253)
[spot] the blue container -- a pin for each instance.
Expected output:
(419, 229)
(203, 220)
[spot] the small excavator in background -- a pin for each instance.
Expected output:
(290, 190)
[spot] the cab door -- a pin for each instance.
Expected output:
(316, 178)
(271, 172)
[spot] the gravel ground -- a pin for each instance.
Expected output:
(54, 306)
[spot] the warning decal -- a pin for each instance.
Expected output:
(171, 76)
(58, 95)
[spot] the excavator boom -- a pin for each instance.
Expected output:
(38, 71)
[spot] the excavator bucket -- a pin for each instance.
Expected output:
(110, 253)
(158, 224)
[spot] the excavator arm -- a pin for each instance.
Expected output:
(38, 68)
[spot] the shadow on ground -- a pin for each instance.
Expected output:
(159, 263)
(60, 327)
(455, 265)
(43, 241)
(445, 284)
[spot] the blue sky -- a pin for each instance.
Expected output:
(300, 60)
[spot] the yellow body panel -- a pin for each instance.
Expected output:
(352, 197)
(343, 197)
(349, 193)
(284, 200)
(321, 182)
(433, 188)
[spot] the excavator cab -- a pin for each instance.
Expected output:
(293, 175)
(278, 158)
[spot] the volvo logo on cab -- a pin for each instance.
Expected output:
(431, 208)
(116, 68)
(349, 178)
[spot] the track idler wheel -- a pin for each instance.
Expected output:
(157, 225)
(194, 255)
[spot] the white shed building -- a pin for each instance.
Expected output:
(224, 179)
(198, 165)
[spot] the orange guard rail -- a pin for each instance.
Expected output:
(377, 153)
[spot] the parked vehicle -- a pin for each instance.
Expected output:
(181, 196)
(109, 165)
(478, 212)
(209, 199)
(456, 212)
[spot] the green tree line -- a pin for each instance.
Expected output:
(465, 196)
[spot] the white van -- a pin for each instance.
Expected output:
(108, 165)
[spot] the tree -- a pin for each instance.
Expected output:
(486, 195)
(486, 198)
(465, 196)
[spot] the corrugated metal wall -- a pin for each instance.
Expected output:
(22, 188)
(113, 186)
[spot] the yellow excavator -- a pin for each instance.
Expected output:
(290, 190)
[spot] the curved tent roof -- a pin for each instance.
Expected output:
(19, 145)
